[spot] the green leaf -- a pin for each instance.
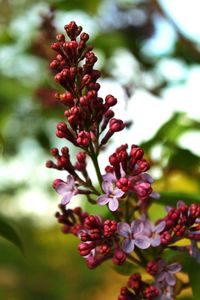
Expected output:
(191, 266)
(170, 131)
(171, 198)
(9, 233)
(191, 161)
(194, 278)
(126, 269)
(108, 42)
(89, 7)
(43, 139)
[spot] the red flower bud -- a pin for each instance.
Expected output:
(119, 257)
(124, 184)
(152, 267)
(113, 159)
(141, 166)
(109, 227)
(151, 292)
(109, 169)
(67, 99)
(92, 222)
(56, 182)
(55, 46)
(85, 248)
(73, 30)
(85, 80)
(135, 282)
(60, 38)
(110, 100)
(50, 164)
(136, 152)
(81, 156)
(194, 210)
(83, 139)
(165, 238)
(116, 125)
(104, 249)
(84, 36)
(55, 152)
(54, 64)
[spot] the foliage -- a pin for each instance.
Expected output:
(10, 234)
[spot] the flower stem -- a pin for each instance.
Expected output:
(94, 158)
(133, 259)
(142, 258)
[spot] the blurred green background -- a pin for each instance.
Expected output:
(149, 54)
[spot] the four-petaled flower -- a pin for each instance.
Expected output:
(153, 231)
(166, 273)
(66, 189)
(134, 236)
(112, 193)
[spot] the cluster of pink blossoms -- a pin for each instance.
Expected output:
(125, 187)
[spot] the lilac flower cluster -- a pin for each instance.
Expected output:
(125, 188)
(142, 234)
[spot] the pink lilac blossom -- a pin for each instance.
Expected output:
(66, 189)
(165, 275)
(134, 236)
(153, 231)
(112, 193)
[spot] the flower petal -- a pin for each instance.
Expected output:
(62, 188)
(148, 228)
(146, 177)
(103, 199)
(70, 182)
(128, 245)
(174, 268)
(168, 208)
(137, 226)
(170, 279)
(160, 227)
(67, 197)
(155, 241)
(107, 187)
(122, 173)
(123, 229)
(161, 276)
(113, 204)
(110, 177)
(195, 251)
(118, 193)
(155, 195)
(142, 242)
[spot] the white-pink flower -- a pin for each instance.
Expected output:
(153, 231)
(166, 273)
(112, 193)
(134, 236)
(66, 189)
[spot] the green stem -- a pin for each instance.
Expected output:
(143, 259)
(136, 261)
(94, 158)
(127, 211)
(90, 186)
(91, 200)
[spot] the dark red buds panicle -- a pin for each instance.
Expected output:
(125, 233)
